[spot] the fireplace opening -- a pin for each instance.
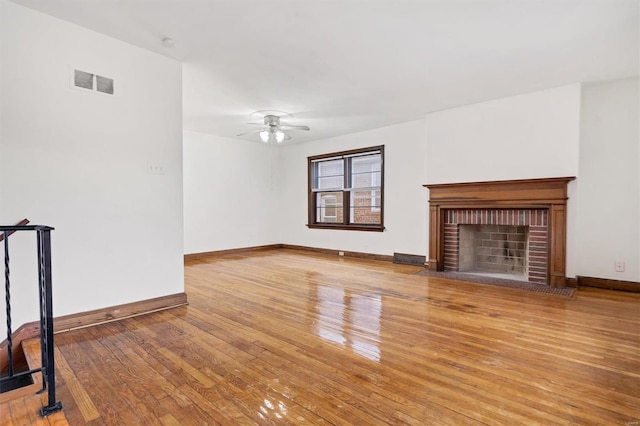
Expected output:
(494, 250)
(502, 243)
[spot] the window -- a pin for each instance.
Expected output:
(346, 190)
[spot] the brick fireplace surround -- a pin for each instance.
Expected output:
(539, 204)
(535, 219)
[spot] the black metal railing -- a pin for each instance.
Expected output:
(43, 236)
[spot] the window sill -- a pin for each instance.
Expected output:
(371, 228)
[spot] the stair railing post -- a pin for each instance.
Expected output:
(47, 353)
(46, 320)
(7, 299)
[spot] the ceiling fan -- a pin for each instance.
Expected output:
(273, 130)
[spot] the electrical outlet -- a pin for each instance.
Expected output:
(155, 169)
(619, 266)
(340, 253)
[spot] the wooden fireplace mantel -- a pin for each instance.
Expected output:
(547, 193)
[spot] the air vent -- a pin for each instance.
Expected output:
(93, 82)
(104, 84)
(83, 79)
(409, 259)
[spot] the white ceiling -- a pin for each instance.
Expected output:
(342, 66)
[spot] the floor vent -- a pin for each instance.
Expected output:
(409, 259)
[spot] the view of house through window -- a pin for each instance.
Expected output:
(346, 189)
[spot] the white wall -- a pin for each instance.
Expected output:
(534, 135)
(609, 201)
(77, 161)
(405, 216)
(229, 193)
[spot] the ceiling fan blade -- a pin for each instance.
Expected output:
(286, 138)
(287, 126)
(250, 132)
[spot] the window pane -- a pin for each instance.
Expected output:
(366, 171)
(329, 207)
(330, 182)
(376, 200)
(365, 207)
(330, 174)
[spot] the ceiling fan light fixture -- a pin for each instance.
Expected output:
(274, 130)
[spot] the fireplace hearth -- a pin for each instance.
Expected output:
(518, 228)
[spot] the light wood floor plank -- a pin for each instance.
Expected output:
(82, 400)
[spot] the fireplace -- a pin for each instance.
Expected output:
(513, 227)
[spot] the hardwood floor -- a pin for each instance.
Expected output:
(290, 337)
